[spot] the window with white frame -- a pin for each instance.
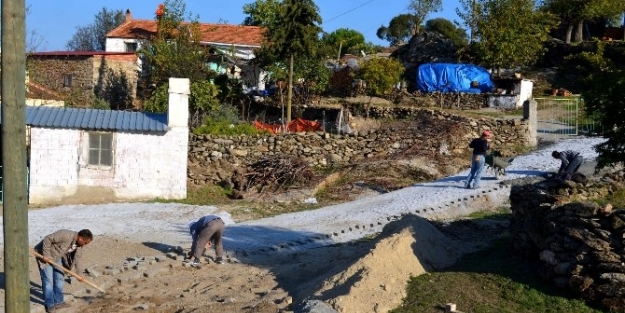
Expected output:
(100, 149)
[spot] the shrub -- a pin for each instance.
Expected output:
(380, 75)
(223, 127)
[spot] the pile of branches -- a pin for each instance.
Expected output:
(274, 173)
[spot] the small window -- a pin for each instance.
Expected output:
(101, 149)
(67, 80)
(131, 46)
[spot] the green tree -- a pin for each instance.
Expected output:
(380, 75)
(345, 40)
(421, 9)
(262, 12)
(297, 35)
(93, 37)
(605, 100)
(511, 33)
(446, 28)
(575, 12)
(399, 30)
(116, 90)
(468, 11)
(175, 50)
(203, 98)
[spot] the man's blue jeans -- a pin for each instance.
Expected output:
(477, 166)
(52, 284)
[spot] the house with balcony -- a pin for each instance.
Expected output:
(236, 43)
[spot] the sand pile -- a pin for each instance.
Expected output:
(377, 281)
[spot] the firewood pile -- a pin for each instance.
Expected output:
(272, 173)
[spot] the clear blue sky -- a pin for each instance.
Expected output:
(56, 21)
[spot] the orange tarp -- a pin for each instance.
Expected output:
(296, 125)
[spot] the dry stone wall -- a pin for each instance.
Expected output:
(213, 159)
(88, 73)
(50, 72)
(581, 244)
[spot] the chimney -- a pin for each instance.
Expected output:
(128, 16)
(178, 106)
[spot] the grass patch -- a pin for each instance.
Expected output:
(492, 280)
(616, 199)
(500, 114)
(205, 195)
(500, 214)
(239, 209)
(262, 210)
(226, 128)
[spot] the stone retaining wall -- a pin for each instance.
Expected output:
(213, 159)
(581, 244)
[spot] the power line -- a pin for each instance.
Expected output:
(348, 11)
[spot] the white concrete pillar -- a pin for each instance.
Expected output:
(178, 105)
(530, 114)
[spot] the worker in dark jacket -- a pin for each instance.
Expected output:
(480, 146)
(62, 247)
(570, 162)
(205, 232)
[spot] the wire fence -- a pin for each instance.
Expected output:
(560, 118)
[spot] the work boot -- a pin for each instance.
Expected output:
(50, 309)
(62, 305)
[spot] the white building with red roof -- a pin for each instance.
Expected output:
(235, 41)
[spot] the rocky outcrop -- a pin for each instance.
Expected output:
(426, 47)
(580, 243)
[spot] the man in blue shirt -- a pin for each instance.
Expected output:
(206, 231)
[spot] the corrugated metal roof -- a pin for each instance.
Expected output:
(92, 119)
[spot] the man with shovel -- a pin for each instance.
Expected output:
(61, 247)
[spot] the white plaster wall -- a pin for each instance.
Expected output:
(145, 165)
(119, 44)
(526, 91)
(54, 157)
(151, 165)
(503, 101)
(44, 102)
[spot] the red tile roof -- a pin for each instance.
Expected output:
(213, 33)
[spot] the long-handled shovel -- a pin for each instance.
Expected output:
(66, 271)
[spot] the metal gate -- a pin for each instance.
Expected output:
(564, 117)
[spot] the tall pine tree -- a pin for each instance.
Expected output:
(297, 35)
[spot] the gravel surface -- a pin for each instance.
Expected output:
(166, 223)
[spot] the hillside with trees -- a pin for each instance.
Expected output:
(519, 35)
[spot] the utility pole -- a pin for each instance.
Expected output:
(15, 202)
(289, 93)
(338, 59)
(472, 21)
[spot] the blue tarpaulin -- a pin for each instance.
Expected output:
(444, 77)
